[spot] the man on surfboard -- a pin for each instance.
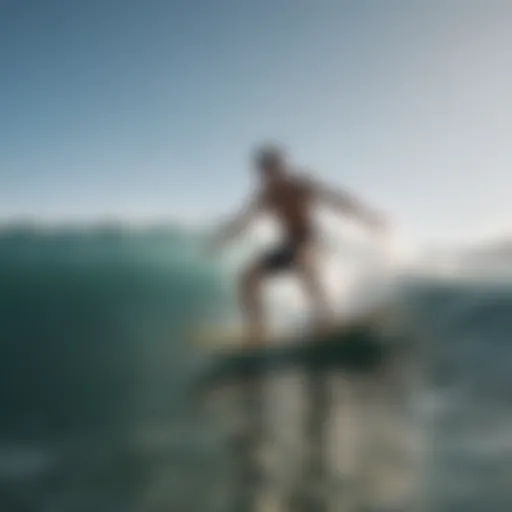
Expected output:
(290, 197)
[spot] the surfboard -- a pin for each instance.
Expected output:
(229, 336)
(222, 337)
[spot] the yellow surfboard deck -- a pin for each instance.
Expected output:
(223, 337)
(218, 337)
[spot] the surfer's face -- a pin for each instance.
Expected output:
(271, 170)
(268, 172)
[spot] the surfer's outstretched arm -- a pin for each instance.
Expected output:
(348, 204)
(237, 224)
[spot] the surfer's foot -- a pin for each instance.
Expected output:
(324, 323)
(255, 336)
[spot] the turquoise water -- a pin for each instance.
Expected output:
(95, 365)
(93, 324)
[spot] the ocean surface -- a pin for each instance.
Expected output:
(96, 363)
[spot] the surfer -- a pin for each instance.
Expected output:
(290, 197)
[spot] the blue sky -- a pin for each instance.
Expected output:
(149, 109)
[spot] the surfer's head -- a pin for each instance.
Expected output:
(270, 161)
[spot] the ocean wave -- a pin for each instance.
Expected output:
(90, 321)
(94, 351)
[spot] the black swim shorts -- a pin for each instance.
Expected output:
(284, 256)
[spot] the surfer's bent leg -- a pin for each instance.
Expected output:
(251, 301)
(316, 292)
(251, 293)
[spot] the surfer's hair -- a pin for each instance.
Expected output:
(269, 154)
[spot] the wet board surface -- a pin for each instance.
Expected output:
(354, 348)
(215, 338)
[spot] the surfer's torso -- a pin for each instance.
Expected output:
(290, 201)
